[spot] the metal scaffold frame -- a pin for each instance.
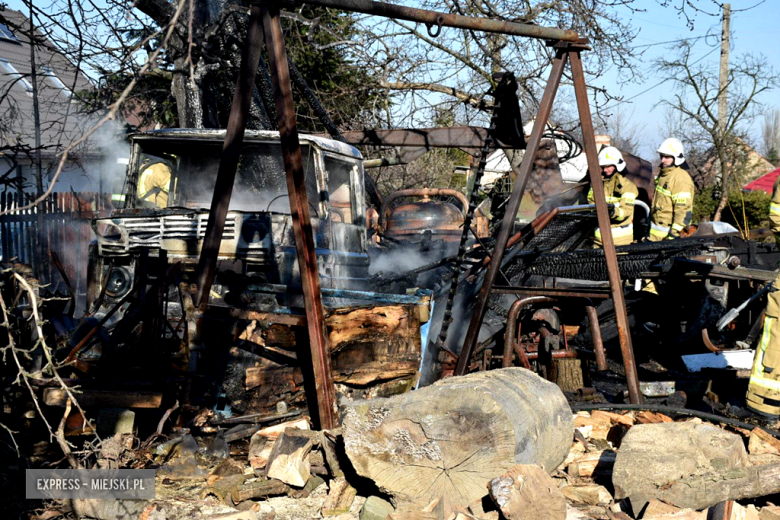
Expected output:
(264, 24)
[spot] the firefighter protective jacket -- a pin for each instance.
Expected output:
(764, 386)
(154, 183)
(672, 204)
(620, 192)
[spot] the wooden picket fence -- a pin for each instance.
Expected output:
(65, 220)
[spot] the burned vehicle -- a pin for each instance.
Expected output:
(240, 352)
(168, 192)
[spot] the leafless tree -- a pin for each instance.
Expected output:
(770, 134)
(696, 99)
(623, 130)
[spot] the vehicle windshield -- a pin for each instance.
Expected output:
(174, 173)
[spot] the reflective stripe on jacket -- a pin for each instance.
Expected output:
(672, 208)
(621, 193)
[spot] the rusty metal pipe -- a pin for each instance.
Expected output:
(555, 354)
(594, 171)
(299, 210)
(508, 223)
(705, 337)
(557, 292)
(512, 328)
(231, 149)
(595, 334)
(432, 18)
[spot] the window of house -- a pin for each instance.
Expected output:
(6, 34)
(49, 73)
(11, 70)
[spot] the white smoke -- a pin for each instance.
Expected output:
(401, 260)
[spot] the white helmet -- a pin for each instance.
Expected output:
(609, 155)
(674, 148)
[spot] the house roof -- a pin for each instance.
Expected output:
(765, 182)
(60, 117)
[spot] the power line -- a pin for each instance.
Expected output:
(656, 85)
(670, 41)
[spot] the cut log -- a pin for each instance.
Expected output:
(591, 494)
(761, 442)
(527, 492)
(567, 374)
(596, 465)
(682, 514)
(259, 489)
(451, 438)
(659, 508)
(769, 513)
(340, 498)
(731, 510)
(614, 418)
(736, 484)
(648, 417)
(223, 488)
(592, 428)
(688, 465)
(289, 459)
(572, 513)
(262, 442)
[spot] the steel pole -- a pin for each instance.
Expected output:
(507, 225)
(594, 172)
(231, 149)
(432, 18)
(299, 208)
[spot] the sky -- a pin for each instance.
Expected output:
(752, 31)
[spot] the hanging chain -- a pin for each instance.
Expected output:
(458, 265)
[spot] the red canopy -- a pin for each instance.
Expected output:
(765, 182)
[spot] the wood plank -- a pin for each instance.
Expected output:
(105, 398)
(596, 464)
(762, 442)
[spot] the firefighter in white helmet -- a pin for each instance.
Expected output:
(763, 395)
(672, 208)
(620, 192)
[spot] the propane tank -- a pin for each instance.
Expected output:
(418, 220)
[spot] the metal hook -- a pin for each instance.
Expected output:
(439, 22)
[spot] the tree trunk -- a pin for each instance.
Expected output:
(724, 183)
(450, 439)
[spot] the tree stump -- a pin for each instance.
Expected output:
(567, 374)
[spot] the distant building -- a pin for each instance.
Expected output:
(765, 182)
(750, 165)
(62, 119)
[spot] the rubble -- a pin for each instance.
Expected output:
(526, 492)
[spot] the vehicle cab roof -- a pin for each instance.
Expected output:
(218, 136)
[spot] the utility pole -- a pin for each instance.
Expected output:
(36, 110)
(724, 72)
(42, 252)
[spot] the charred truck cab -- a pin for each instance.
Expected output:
(168, 189)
